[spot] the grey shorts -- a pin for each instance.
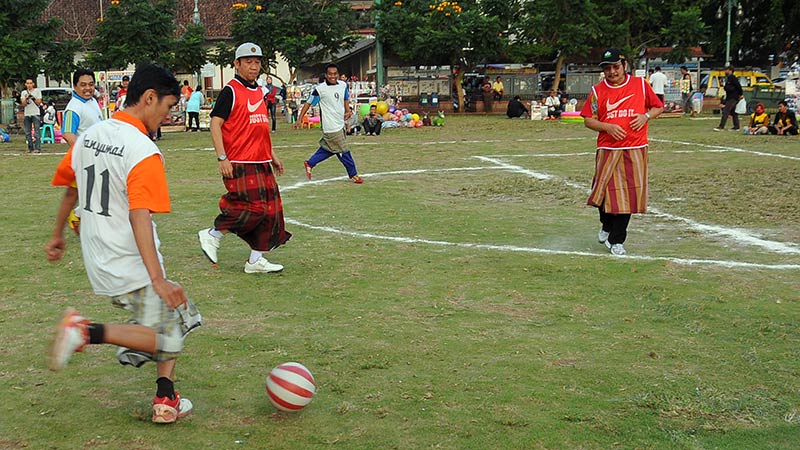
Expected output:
(171, 326)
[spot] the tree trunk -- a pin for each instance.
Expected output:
(460, 88)
(559, 65)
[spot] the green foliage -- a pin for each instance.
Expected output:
(304, 32)
(685, 30)
(137, 31)
(311, 31)
(61, 60)
(190, 53)
(24, 40)
(252, 22)
(432, 32)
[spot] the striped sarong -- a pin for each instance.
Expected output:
(334, 142)
(252, 208)
(620, 181)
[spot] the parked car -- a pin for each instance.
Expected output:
(60, 95)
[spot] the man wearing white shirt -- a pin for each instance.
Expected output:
(333, 98)
(658, 81)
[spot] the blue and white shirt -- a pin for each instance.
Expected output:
(81, 114)
(330, 98)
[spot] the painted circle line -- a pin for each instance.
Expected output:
(507, 248)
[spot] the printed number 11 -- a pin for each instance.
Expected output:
(103, 190)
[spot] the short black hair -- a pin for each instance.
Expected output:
(79, 73)
(151, 76)
(684, 68)
(658, 68)
(783, 102)
(329, 65)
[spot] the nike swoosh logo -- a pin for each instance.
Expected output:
(613, 106)
(253, 108)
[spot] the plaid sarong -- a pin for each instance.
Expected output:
(620, 181)
(334, 142)
(252, 208)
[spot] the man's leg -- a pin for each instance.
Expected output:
(26, 124)
(619, 228)
(320, 155)
(347, 161)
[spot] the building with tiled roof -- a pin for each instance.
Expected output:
(81, 17)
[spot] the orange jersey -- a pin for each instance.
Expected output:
(245, 133)
(620, 105)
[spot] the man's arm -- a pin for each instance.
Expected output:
(169, 291)
(302, 114)
(56, 246)
(225, 166)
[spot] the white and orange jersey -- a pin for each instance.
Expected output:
(619, 105)
(117, 168)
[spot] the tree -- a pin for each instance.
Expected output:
(561, 29)
(686, 29)
(313, 30)
(252, 22)
(304, 32)
(440, 32)
(25, 41)
(190, 54)
(61, 60)
(135, 31)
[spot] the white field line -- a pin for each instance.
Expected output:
(739, 235)
(728, 149)
(509, 248)
(513, 248)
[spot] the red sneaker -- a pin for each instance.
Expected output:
(357, 179)
(308, 169)
(166, 410)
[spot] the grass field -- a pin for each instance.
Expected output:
(458, 299)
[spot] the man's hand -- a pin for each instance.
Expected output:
(638, 122)
(277, 165)
(226, 169)
(616, 131)
(169, 291)
(55, 248)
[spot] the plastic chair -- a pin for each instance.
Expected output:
(47, 135)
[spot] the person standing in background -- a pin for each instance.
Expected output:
(31, 101)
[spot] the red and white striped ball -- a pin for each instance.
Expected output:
(290, 386)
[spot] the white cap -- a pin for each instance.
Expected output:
(248, 49)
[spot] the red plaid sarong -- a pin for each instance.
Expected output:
(252, 208)
(620, 181)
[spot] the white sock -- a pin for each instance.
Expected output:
(215, 233)
(255, 255)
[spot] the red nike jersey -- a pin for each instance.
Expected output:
(620, 105)
(245, 134)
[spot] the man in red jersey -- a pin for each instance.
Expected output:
(252, 208)
(619, 108)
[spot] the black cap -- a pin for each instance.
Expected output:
(612, 56)
(126, 78)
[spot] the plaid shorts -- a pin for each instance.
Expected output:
(171, 326)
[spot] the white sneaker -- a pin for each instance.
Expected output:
(261, 266)
(602, 236)
(72, 335)
(209, 244)
(617, 249)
